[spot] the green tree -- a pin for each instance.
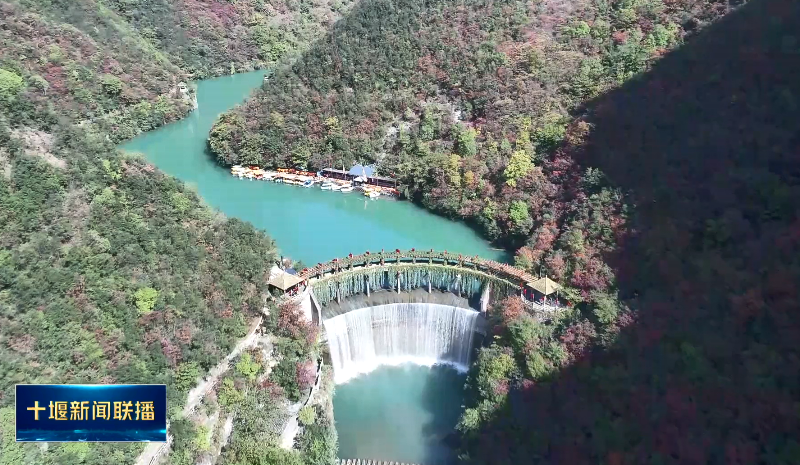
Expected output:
(40, 83)
(145, 299)
(201, 439)
(247, 367)
(10, 84)
(550, 132)
(307, 415)
(537, 366)
(229, 395)
(518, 212)
(11, 452)
(111, 85)
(466, 144)
(606, 307)
(518, 166)
(453, 170)
(186, 376)
(226, 137)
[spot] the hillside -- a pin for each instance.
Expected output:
(703, 372)
(111, 271)
(118, 64)
(641, 152)
(465, 103)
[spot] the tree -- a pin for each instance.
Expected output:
(145, 299)
(247, 367)
(307, 415)
(111, 85)
(465, 141)
(186, 376)
(518, 166)
(201, 438)
(518, 212)
(10, 85)
(226, 137)
(40, 83)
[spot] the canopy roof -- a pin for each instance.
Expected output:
(545, 285)
(359, 170)
(284, 281)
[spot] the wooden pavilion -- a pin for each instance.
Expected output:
(284, 281)
(544, 286)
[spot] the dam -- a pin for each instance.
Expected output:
(393, 334)
(401, 329)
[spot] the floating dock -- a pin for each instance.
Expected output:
(308, 179)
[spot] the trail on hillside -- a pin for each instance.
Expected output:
(156, 450)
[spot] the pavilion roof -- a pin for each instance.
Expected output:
(284, 280)
(545, 285)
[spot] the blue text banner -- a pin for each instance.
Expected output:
(91, 412)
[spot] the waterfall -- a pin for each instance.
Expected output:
(393, 334)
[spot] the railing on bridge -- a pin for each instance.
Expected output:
(413, 256)
(369, 462)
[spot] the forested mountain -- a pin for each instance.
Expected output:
(641, 152)
(118, 63)
(110, 271)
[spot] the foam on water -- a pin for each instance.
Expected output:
(394, 334)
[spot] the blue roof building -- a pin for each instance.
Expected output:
(361, 170)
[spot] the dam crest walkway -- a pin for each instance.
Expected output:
(511, 274)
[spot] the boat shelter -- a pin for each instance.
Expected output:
(284, 281)
(543, 287)
(336, 174)
(368, 172)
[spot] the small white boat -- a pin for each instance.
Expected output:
(327, 187)
(336, 187)
(372, 194)
(308, 183)
(347, 189)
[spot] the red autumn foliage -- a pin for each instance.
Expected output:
(171, 351)
(510, 308)
(578, 338)
(306, 374)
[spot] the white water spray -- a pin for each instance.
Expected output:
(394, 334)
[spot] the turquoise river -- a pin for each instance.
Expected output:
(394, 413)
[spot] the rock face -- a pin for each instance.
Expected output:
(38, 144)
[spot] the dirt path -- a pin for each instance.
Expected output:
(155, 450)
(196, 395)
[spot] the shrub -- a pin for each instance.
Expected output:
(307, 415)
(247, 367)
(10, 84)
(186, 376)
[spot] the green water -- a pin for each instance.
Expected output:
(400, 414)
(310, 225)
(393, 413)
